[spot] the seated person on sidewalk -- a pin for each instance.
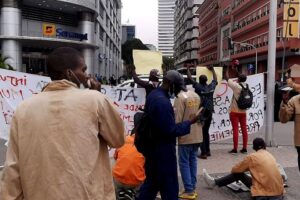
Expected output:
(128, 171)
(266, 182)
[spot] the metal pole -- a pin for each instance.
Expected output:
(255, 59)
(271, 74)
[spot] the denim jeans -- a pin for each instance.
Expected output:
(188, 165)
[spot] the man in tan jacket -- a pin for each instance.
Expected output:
(58, 146)
(266, 182)
(288, 109)
(186, 106)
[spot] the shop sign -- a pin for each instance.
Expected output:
(51, 30)
(291, 19)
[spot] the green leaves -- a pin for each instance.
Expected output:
(3, 63)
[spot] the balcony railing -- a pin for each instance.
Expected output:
(252, 17)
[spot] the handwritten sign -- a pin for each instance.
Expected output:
(221, 128)
(145, 60)
(14, 88)
(202, 70)
(128, 100)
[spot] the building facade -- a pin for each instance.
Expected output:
(166, 27)
(128, 33)
(246, 22)
(208, 32)
(31, 29)
(186, 32)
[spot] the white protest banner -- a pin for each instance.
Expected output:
(221, 128)
(14, 88)
(128, 100)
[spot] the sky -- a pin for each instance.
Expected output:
(143, 14)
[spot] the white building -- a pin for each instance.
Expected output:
(31, 29)
(186, 32)
(166, 27)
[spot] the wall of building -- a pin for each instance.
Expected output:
(166, 27)
(99, 19)
(186, 32)
(244, 21)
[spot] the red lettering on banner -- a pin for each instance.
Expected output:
(133, 108)
(8, 116)
(225, 86)
(11, 94)
(14, 81)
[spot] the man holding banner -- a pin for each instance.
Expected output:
(206, 92)
(58, 138)
(148, 85)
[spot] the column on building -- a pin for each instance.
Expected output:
(11, 27)
(87, 26)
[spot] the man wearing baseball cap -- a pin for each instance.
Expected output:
(161, 164)
(150, 85)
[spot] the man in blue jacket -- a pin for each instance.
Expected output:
(161, 164)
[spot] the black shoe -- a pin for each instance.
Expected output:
(243, 150)
(202, 156)
(233, 151)
(208, 154)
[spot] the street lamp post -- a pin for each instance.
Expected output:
(250, 45)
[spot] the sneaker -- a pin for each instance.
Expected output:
(210, 181)
(202, 156)
(243, 150)
(233, 151)
(187, 195)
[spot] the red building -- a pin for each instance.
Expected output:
(245, 21)
(208, 32)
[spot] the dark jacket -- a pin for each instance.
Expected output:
(144, 84)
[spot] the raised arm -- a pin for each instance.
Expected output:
(138, 81)
(211, 68)
(189, 75)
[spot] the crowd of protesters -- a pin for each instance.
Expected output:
(59, 138)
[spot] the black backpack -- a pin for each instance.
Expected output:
(143, 135)
(246, 98)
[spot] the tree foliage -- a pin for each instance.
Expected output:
(3, 63)
(127, 48)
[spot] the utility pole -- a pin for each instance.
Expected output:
(271, 74)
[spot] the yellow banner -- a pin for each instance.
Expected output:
(202, 70)
(291, 12)
(145, 60)
(291, 29)
(291, 1)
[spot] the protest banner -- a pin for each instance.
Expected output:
(128, 100)
(145, 60)
(14, 88)
(221, 128)
(202, 70)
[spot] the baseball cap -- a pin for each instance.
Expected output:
(154, 73)
(175, 78)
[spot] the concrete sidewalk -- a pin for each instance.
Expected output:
(221, 162)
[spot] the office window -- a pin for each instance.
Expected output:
(101, 10)
(101, 33)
